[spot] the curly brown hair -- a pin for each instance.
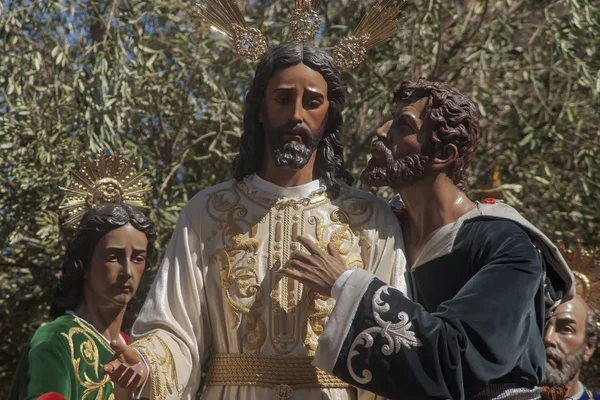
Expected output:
(455, 120)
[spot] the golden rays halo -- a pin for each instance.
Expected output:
(304, 21)
(378, 24)
(586, 269)
(109, 179)
(225, 17)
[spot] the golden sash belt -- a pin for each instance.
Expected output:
(279, 372)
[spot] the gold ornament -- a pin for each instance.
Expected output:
(586, 269)
(110, 179)
(225, 17)
(376, 27)
(305, 22)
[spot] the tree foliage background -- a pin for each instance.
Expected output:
(145, 79)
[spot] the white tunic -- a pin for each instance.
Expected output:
(216, 291)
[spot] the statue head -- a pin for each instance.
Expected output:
(294, 113)
(106, 258)
(570, 340)
(433, 123)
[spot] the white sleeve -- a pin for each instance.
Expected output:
(173, 329)
(339, 283)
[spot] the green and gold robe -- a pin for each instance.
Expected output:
(65, 356)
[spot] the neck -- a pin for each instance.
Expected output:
(432, 203)
(107, 321)
(287, 177)
(573, 386)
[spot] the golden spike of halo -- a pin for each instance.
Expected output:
(379, 24)
(304, 21)
(110, 179)
(586, 269)
(225, 17)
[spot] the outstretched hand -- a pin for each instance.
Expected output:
(317, 270)
(127, 369)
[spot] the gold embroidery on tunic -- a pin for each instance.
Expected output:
(162, 369)
(237, 260)
(315, 323)
(255, 332)
(94, 386)
(241, 278)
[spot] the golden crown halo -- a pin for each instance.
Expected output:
(376, 27)
(225, 17)
(110, 179)
(586, 269)
(304, 21)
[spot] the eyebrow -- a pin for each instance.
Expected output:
(112, 248)
(410, 118)
(565, 318)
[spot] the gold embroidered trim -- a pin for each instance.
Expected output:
(91, 356)
(162, 369)
(268, 371)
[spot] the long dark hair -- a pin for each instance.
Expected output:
(95, 223)
(455, 121)
(329, 164)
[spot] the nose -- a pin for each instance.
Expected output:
(549, 336)
(298, 115)
(382, 131)
(126, 268)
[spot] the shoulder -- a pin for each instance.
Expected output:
(198, 202)
(51, 334)
(490, 240)
(358, 199)
(494, 229)
(211, 190)
(373, 211)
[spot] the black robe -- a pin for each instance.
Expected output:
(474, 326)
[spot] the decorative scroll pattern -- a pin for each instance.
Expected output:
(87, 351)
(162, 368)
(396, 334)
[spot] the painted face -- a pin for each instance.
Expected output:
(116, 267)
(565, 342)
(294, 115)
(399, 155)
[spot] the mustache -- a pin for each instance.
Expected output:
(291, 128)
(556, 356)
(382, 147)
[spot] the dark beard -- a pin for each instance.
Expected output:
(395, 173)
(292, 154)
(566, 368)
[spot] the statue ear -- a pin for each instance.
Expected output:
(588, 353)
(446, 156)
(80, 269)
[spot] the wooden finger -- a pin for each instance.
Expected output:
(135, 382)
(333, 251)
(311, 246)
(304, 257)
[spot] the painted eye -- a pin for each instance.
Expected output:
(140, 259)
